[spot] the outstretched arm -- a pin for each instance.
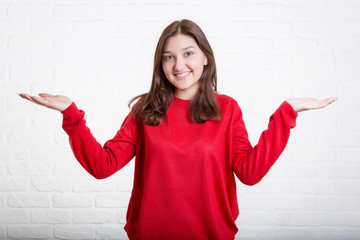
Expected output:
(99, 161)
(251, 164)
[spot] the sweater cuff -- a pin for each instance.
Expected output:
(288, 113)
(72, 116)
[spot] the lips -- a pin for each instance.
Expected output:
(182, 75)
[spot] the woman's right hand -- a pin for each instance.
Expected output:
(56, 102)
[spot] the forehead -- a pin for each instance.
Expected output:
(178, 42)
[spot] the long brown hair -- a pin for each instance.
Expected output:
(153, 106)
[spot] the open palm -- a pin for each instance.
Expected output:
(56, 102)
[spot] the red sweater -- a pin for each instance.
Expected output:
(184, 184)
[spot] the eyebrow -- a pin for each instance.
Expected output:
(183, 49)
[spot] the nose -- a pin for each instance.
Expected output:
(179, 64)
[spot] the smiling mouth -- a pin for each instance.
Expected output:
(182, 75)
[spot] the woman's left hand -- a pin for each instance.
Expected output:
(303, 104)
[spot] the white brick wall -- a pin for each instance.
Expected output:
(100, 54)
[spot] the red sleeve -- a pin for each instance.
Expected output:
(251, 164)
(100, 162)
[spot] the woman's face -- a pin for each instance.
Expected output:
(183, 64)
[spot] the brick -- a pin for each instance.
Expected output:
(69, 168)
(74, 43)
(11, 152)
(121, 215)
(305, 186)
(297, 45)
(118, 11)
(32, 168)
(2, 232)
(14, 58)
(317, 27)
(350, 26)
(339, 45)
(27, 232)
(297, 76)
(16, 216)
(51, 216)
(314, 154)
(299, 202)
(124, 183)
(339, 171)
(49, 121)
(3, 10)
(14, 184)
(113, 200)
(51, 152)
(252, 11)
(77, 232)
(29, 11)
(298, 233)
(29, 137)
(265, 60)
(347, 124)
(96, 27)
(93, 59)
(297, 11)
(50, 59)
(250, 44)
(94, 185)
(2, 202)
(294, 170)
(255, 202)
(348, 233)
(350, 219)
(348, 155)
(342, 77)
(67, 200)
(326, 186)
(348, 61)
(270, 27)
(94, 216)
(30, 42)
(30, 75)
(348, 187)
(266, 186)
(341, 139)
(348, 91)
(14, 27)
(119, 44)
(111, 232)
(75, 75)
(29, 200)
(51, 184)
(2, 165)
(336, 203)
(316, 61)
(74, 11)
(52, 27)
(3, 43)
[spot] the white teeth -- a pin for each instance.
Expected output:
(182, 75)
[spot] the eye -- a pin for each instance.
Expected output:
(168, 57)
(188, 54)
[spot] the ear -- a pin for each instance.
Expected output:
(205, 61)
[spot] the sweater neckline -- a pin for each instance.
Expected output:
(181, 101)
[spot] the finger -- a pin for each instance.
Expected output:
(26, 96)
(40, 100)
(45, 95)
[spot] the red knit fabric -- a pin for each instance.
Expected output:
(184, 184)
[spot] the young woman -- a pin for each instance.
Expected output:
(188, 140)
